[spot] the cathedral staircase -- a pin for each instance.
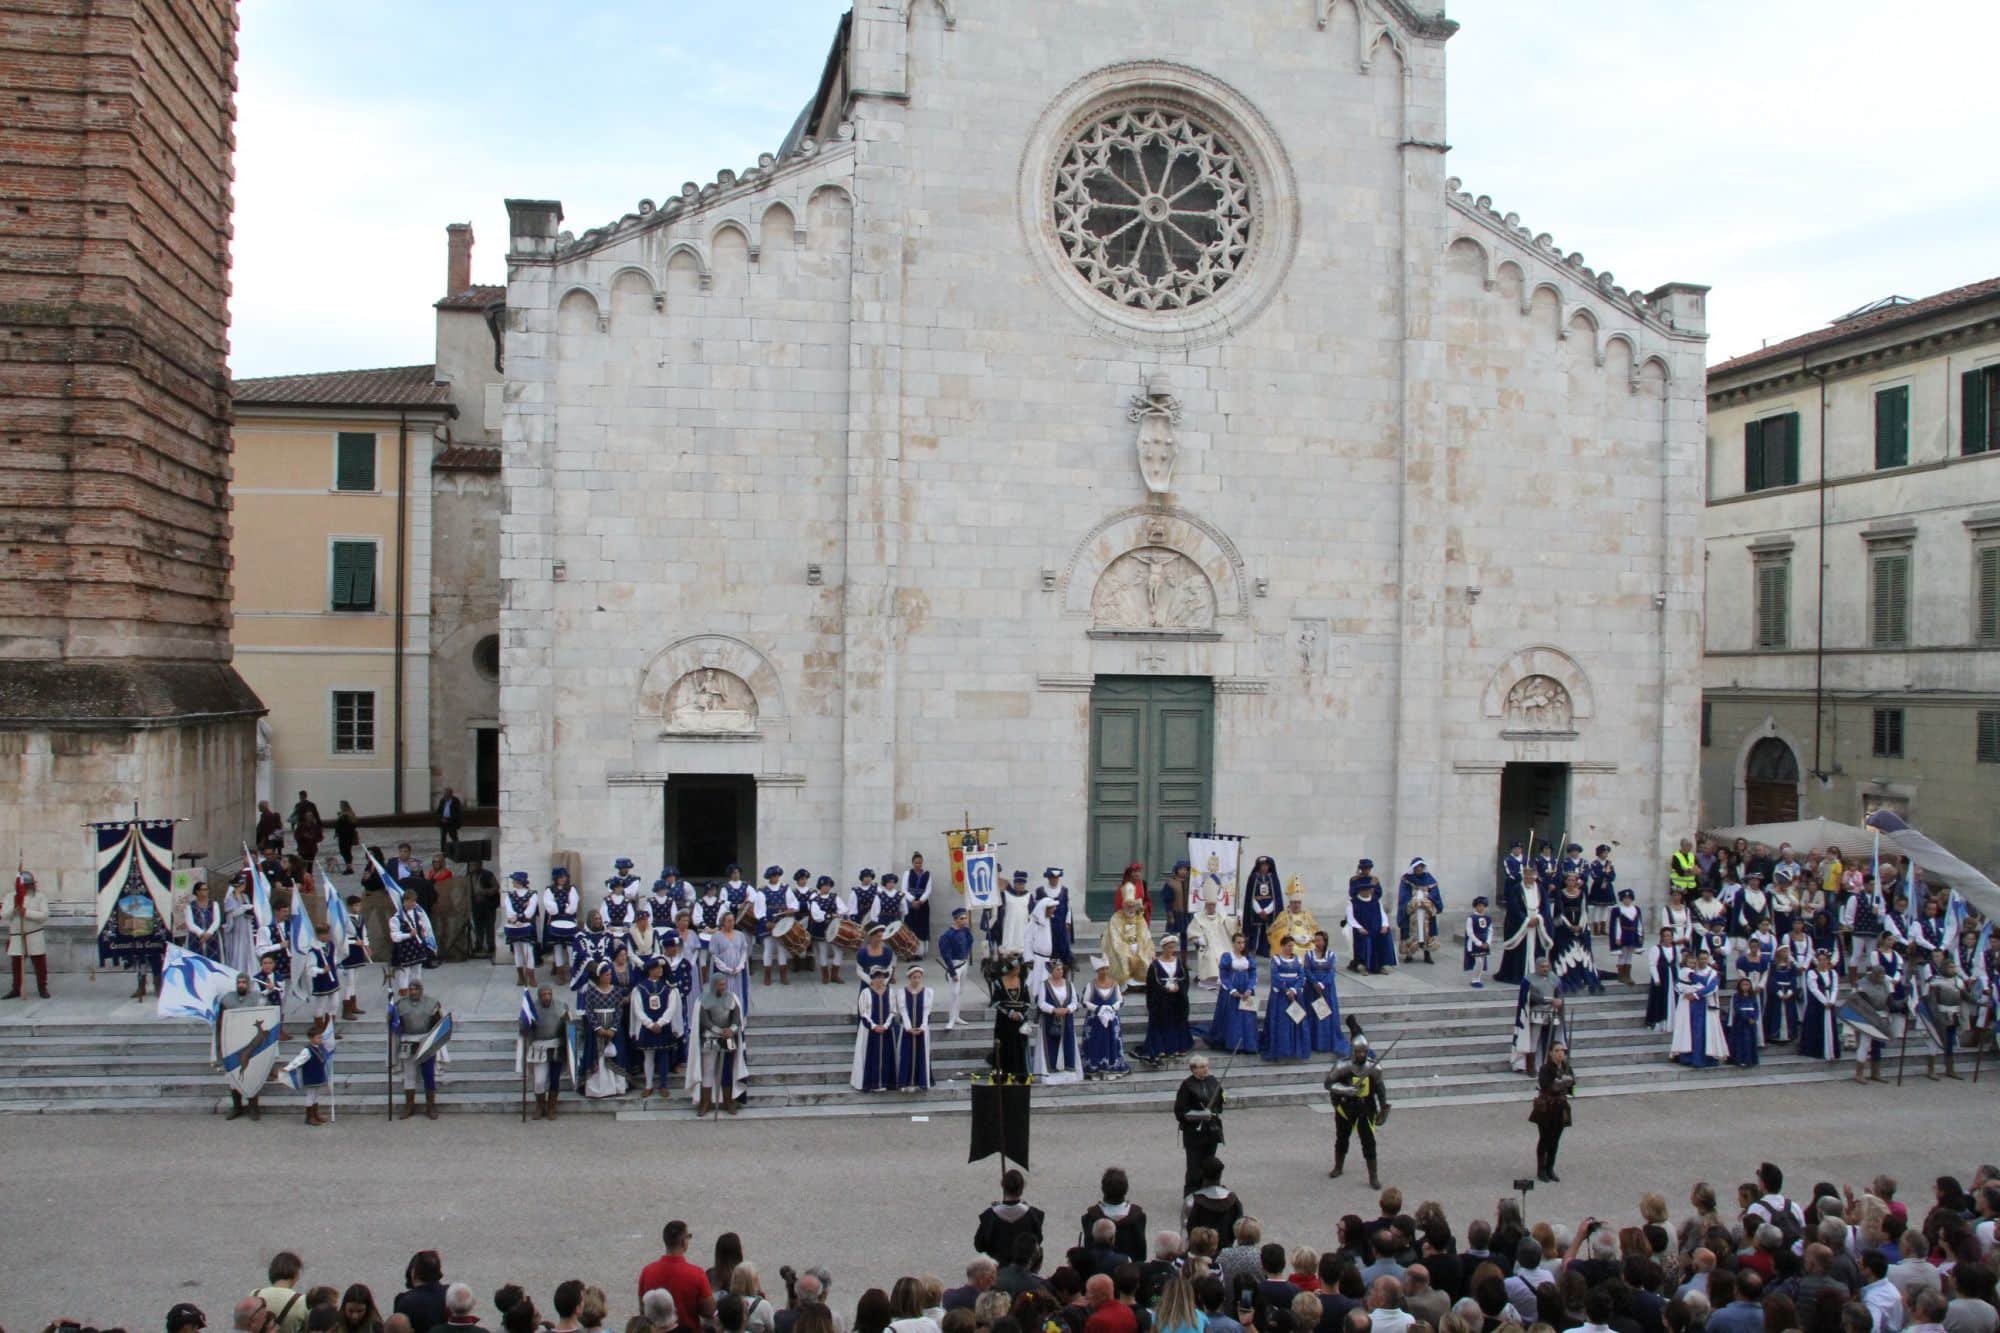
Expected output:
(1450, 1050)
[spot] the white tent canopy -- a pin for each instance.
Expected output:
(1938, 864)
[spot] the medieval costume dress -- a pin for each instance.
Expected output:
(1745, 1026)
(1571, 956)
(204, 929)
(874, 1068)
(913, 1033)
(656, 1027)
(1524, 931)
(1056, 1058)
(1819, 1026)
(1374, 947)
(605, 1057)
(1234, 1027)
(1013, 1029)
(1167, 1031)
(1209, 934)
(1781, 1000)
(1104, 1032)
(1263, 899)
(1128, 944)
(239, 929)
(1698, 1041)
(1661, 997)
(1061, 928)
(1287, 1029)
(1419, 904)
(1322, 972)
(917, 884)
(729, 955)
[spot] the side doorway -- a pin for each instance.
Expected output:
(1152, 748)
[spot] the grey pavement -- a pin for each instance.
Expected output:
(113, 1219)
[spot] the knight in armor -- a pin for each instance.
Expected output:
(1360, 1103)
(1541, 1019)
(718, 1048)
(1953, 1011)
(519, 916)
(412, 1018)
(1870, 1002)
(543, 1043)
(27, 934)
(561, 909)
(243, 997)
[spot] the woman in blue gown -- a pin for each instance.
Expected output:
(1745, 1023)
(913, 1031)
(1371, 932)
(1103, 1029)
(1234, 1027)
(1167, 984)
(1573, 959)
(1322, 968)
(1287, 1033)
(874, 1068)
(1056, 1058)
(1698, 1038)
(1819, 1029)
(874, 956)
(1781, 1000)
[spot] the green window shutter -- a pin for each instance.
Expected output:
(354, 576)
(1987, 607)
(1791, 447)
(1891, 617)
(343, 575)
(1753, 456)
(1892, 427)
(1989, 738)
(1773, 595)
(354, 461)
(364, 576)
(1972, 417)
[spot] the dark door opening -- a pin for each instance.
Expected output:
(1770, 783)
(1534, 801)
(1152, 742)
(486, 768)
(711, 824)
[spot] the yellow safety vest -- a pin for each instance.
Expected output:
(1682, 874)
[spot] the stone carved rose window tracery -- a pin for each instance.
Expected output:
(1152, 208)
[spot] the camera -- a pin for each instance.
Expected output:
(1523, 1184)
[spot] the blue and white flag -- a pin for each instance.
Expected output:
(260, 890)
(339, 922)
(389, 884)
(982, 878)
(192, 986)
(529, 1012)
(301, 938)
(320, 1054)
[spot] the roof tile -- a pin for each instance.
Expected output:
(476, 297)
(389, 386)
(1970, 294)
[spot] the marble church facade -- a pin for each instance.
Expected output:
(1104, 419)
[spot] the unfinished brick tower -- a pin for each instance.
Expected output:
(117, 686)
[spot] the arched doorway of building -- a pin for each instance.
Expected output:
(1770, 783)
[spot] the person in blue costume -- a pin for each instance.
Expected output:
(605, 1057)
(914, 1006)
(1819, 1024)
(1419, 904)
(1234, 1026)
(1626, 934)
(656, 1014)
(316, 1068)
(1745, 1023)
(874, 956)
(1600, 879)
(1322, 970)
(1103, 1028)
(1263, 899)
(917, 890)
(1167, 987)
(1569, 930)
(1754, 967)
(1287, 1030)
(1545, 866)
(1062, 942)
(1369, 928)
(874, 1067)
(1665, 971)
(1056, 1057)
(1478, 941)
(1698, 1041)
(955, 955)
(680, 977)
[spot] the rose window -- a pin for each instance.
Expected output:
(1153, 209)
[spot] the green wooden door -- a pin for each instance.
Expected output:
(1152, 743)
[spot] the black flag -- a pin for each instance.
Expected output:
(1000, 1122)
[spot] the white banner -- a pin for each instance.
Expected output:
(1217, 871)
(982, 878)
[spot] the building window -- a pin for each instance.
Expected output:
(1889, 594)
(1979, 419)
(1989, 738)
(1774, 593)
(1888, 733)
(1986, 596)
(354, 460)
(354, 576)
(354, 722)
(1771, 452)
(1892, 427)
(486, 657)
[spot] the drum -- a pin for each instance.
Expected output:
(847, 935)
(794, 935)
(746, 920)
(905, 942)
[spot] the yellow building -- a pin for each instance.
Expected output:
(332, 537)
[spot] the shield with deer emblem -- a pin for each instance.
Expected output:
(247, 1043)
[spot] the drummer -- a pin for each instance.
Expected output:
(875, 956)
(891, 906)
(860, 905)
(709, 910)
(774, 908)
(822, 908)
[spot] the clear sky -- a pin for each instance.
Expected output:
(1801, 156)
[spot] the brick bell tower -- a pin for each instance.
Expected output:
(117, 120)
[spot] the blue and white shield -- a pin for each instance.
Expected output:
(246, 1042)
(982, 879)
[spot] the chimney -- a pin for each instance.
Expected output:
(458, 258)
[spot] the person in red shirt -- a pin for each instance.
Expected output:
(1108, 1314)
(672, 1273)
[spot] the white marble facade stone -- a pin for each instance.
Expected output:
(859, 419)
